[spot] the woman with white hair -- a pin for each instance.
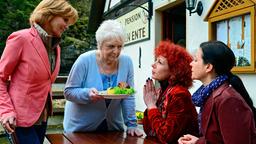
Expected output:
(95, 71)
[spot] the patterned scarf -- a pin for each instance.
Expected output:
(50, 43)
(201, 95)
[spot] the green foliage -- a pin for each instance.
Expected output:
(139, 115)
(78, 30)
(243, 61)
(75, 39)
(14, 15)
(118, 90)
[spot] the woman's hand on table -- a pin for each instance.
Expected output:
(134, 131)
(93, 94)
(149, 94)
(188, 139)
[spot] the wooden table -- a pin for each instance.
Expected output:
(98, 138)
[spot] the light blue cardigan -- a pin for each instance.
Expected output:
(83, 115)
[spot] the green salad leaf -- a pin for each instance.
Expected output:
(118, 90)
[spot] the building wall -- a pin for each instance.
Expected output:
(142, 73)
(196, 32)
(147, 57)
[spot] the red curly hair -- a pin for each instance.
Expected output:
(179, 63)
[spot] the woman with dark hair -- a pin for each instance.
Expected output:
(170, 112)
(226, 110)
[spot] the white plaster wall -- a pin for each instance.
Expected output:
(250, 84)
(196, 32)
(147, 57)
(140, 74)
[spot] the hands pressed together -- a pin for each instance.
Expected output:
(150, 98)
(149, 94)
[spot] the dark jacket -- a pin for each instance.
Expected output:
(227, 119)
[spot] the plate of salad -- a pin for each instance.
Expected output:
(119, 92)
(112, 96)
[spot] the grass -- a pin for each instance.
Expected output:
(3, 139)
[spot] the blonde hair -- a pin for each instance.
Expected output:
(47, 9)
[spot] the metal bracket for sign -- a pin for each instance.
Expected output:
(149, 10)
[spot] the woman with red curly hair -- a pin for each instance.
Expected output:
(170, 112)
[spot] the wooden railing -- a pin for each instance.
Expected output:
(57, 90)
(61, 79)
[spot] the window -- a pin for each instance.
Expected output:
(232, 22)
(110, 4)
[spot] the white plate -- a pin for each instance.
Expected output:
(112, 96)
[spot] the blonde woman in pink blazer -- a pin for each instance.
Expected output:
(28, 66)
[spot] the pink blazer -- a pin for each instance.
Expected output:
(25, 62)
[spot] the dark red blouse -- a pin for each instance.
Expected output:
(175, 116)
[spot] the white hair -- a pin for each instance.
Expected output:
(110, 29)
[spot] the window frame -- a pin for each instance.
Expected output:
(212, 22)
